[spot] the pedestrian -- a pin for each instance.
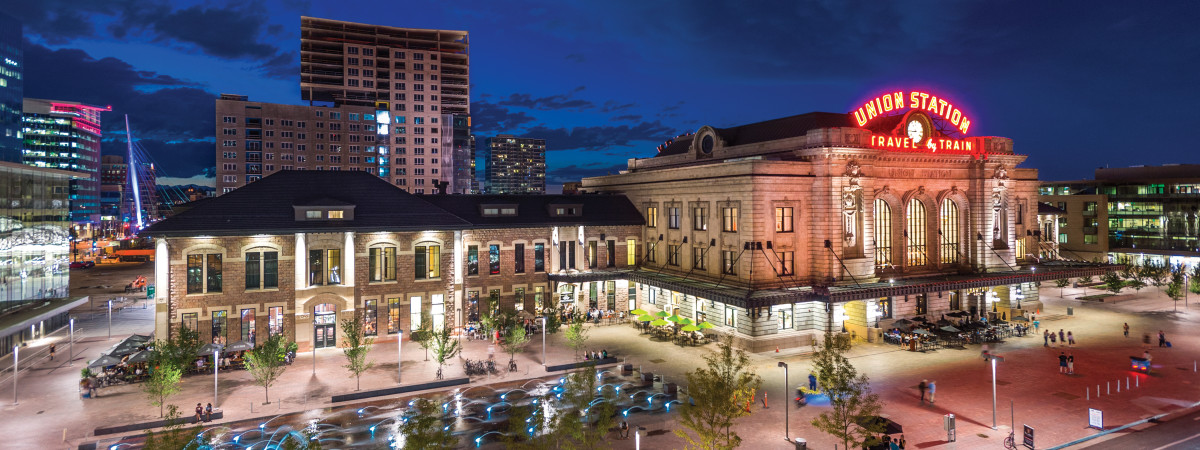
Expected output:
(1062, 337)
(199, 413)
(1046, 338)
(208, 413)
(1162, 339)
(624, 430)
(1053, 338)
(1070, 339)
(1062, 362)
(902, 442)
(812, 382)
(922, 387)
(1146, 340)
(1036, 324)
(52, 349)
(1146, 356)
(932, 390)
(1071, 364)
(1126, 329)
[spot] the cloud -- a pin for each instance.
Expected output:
(553, 102)
(172, 118)
(600, 137)
(614, 106)
(198, 180)
(626, 118)
(575, 172)
(491, 119)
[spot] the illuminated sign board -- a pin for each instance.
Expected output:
(916, 131)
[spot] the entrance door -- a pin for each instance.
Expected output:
(324, 333)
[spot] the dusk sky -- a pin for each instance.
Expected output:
(1076, 85)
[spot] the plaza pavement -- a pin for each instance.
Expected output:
(1055, 405)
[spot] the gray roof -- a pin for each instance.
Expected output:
(767, 130)
(535, 210)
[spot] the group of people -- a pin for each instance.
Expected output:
(886, 443)
(594, 315)
(595, 355)
(1050, 338)
(927, 386)
(203, 414)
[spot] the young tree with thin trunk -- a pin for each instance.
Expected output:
(356, 345)
(576, 336)
(266, 363)
(716, 398)
(850, 398)
(423, 334)
(422, 427)
(1113, 282)
(163, 383)
(174, 436)
(1158, 274)
(444, 348)
(584, 421)
(1062, 284)
(514, 340)
(1175, 288)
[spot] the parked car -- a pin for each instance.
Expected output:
(83, 264)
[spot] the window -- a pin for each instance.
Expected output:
(922, 304)
(1087, 238)
(219, 326)
(473, 260)
(593, 256)
(883, 234)
(630, 252)
(949, 232)
(414, 312)
(783, 219)
(785, 318)
(247, 322)
(274, 320)
(381, 264)
(566, 255)
(262, 270)
(204, 273)
(494, 259)
(393, 305)
(700, 218)
(673, 254)
(915, 232)
(729, 219)
(190, 321)
(673, 217)
(698, 258)
(519, 258)
(519, 299)
(428, 260)
(610, 250)
(730, 317)
(437, 309)
(650, 253)
(787, 263)
(324, 267)
(371, 318)
(728, 262)
(539, 257)
(652, 216)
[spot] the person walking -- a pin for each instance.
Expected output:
(1053, 338)
(932, 390)
(1126, 329)
(922, 387)
(1062, 362)
(1070, 339)
(1036, 324)
(1162, 339)
(52, 349)
(1062, 337)
(1046, 338)
(1071, 364)
(1146, 340)
(812, 382)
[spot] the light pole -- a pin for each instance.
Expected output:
(787, 435)
(994, 358)
(543, 340)
(637, 438)
(71, 356)
(399, 353)
(16, 371)
(216, 353)
(110, 318)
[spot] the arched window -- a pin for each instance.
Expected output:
(915, 229)
(949, 232)
(883, 234)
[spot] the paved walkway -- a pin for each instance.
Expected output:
(1056, 405)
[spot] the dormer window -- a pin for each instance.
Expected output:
(336, 214)
(566, 210)
(324, 212)
(498, 210)
(312, 214)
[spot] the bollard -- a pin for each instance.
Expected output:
(1108, 387)
(1137, 382)
(1089, 393)
(1118, 386)
(1127, 383)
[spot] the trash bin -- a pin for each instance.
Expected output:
(1070, 311)
(801, 444)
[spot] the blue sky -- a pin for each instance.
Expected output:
(1077, 85)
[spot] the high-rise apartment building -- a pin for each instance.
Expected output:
(11, 89)
(66, 135)
(515, 165)
(117, 201)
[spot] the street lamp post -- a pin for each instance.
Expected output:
(216, 353)
(787, 435)
(16, 371)
(994, 358)
(71, 356)
(110, 318)
(543, 340)
(399, 353)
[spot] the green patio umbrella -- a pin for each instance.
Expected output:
(659, 323)
(685, 321)
(705, 325)
(661, 314)
(638, 312)
(691, 328)
(674, 318)
(645, 318)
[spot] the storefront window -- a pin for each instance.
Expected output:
(275, 320)
(949, 232)
(883, 234)
(371, 318)
(915, 231)
(393, 305)
(248, 328)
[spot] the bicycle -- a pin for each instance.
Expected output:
(1010, 441)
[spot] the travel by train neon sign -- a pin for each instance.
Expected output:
(916, 131)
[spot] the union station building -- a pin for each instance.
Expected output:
(775, 232)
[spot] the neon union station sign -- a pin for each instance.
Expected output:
(916, 130)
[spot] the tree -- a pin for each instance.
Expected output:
(514, 340)
(717, 393)
(174, 436)
(444, 348)
(1061, 283)
(553, 321)
(1113, 282)
(572, 428)
(576, 336)
(1157, 274)
(163, 383)
(180, 349)
(1194, 280)
(356, 346)
(1136, 284)
(423, 335)
(266, 362)
(422, 427)
(851, 401)
(1175, 288)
